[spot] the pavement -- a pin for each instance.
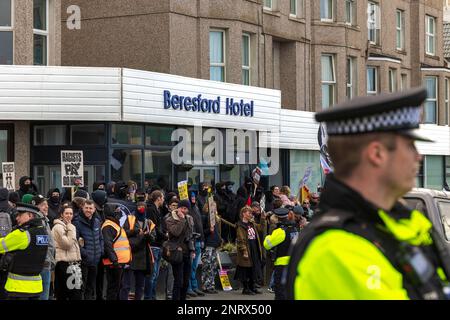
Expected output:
(234, 295)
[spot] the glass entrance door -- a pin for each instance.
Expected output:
(202, 174)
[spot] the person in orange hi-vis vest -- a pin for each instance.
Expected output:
(117, 251)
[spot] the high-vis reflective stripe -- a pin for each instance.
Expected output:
(278, 236)
(23, 284)
(282, 261)
(267, 244)
(415, 230)
(5, 248)
(131, 221)
(121, 245)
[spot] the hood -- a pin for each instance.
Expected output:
(58, 221)
(23, 179)
(99, 197)
(242, 192)
(4, 194)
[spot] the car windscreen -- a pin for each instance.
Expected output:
(444, 210)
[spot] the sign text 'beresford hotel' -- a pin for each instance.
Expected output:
(199, 104)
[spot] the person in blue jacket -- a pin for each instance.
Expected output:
(89, 235)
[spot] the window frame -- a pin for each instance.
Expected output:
(44, 33)
(352, 12)
(249, 67)
(371, 93)
(392, 74)
(377, 17)
(331, 8)
(351, 75)
(295, 13)
(430, 35)
(400, 30)
(9, 128)
(447, 101)
(435, 99)
(332, 83)
(271, 5)
(10, 28)
(403, 84)
(222, 64)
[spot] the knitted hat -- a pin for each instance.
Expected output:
(81, 194)
(27, 198)
(184, 203)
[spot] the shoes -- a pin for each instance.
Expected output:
(199, 292)
(191, 294)
(256, 291)
(271, 290)
(248, 292)
(257, 286)
(210, 291)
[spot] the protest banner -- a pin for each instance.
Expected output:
(9, 176)
(72, 169)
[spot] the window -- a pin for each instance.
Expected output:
(400, 21)
(434, 172)
(246, 76)
(326, 10)
(404, 82)
(87, 134)
(6, 32)
(50, 135)
(351, 77)
(217, 55)
(350, 12)
(158, 168)
(160, 136)
(126, 134)
(430, 35)
(444, 209)
(447, 109)
(6, 145)
(300, 160)
(126, 164)
(373, 22)
(430, 110)
(372, 80)
(40, 32)
(328, 81)
(392, 80)
(268, 4)
(293, 11)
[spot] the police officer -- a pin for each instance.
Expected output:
(286, 230)
(26, 246)
(364, 244)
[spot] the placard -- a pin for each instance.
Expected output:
(72, 168)
(183, 190)
(9, 176)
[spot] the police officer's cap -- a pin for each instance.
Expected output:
(398, 112)
(25, 207)
(281, 212)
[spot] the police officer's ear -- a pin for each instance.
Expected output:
(375, 153)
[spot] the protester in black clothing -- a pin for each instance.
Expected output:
(202, 196)
(26, 186)
(98, 185)
(54, 204)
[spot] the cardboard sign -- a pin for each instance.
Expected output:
(256, 175)
(212, 211)
(9, 176)
(225, 281)
(183, 190)
(71, 168)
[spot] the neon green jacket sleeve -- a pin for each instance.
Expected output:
(278, 236)
(16, 240)
(342, 265)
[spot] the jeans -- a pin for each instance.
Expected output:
(46, 280)
(139, 278)
(181, 275)
(193, 283)
(272, 280)
(89, 281)
(150, 281)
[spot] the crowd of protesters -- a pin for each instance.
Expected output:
(124, 234)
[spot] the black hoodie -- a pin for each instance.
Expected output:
(29, 189)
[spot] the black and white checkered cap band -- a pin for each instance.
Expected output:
(403, 118)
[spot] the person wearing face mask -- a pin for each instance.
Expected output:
(140, 232)
(26, 186)
(202, 197)
(117, 250)
(54, 204)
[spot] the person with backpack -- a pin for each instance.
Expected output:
(140, 232)
(6, 216)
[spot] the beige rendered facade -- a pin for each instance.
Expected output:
(287, 46)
